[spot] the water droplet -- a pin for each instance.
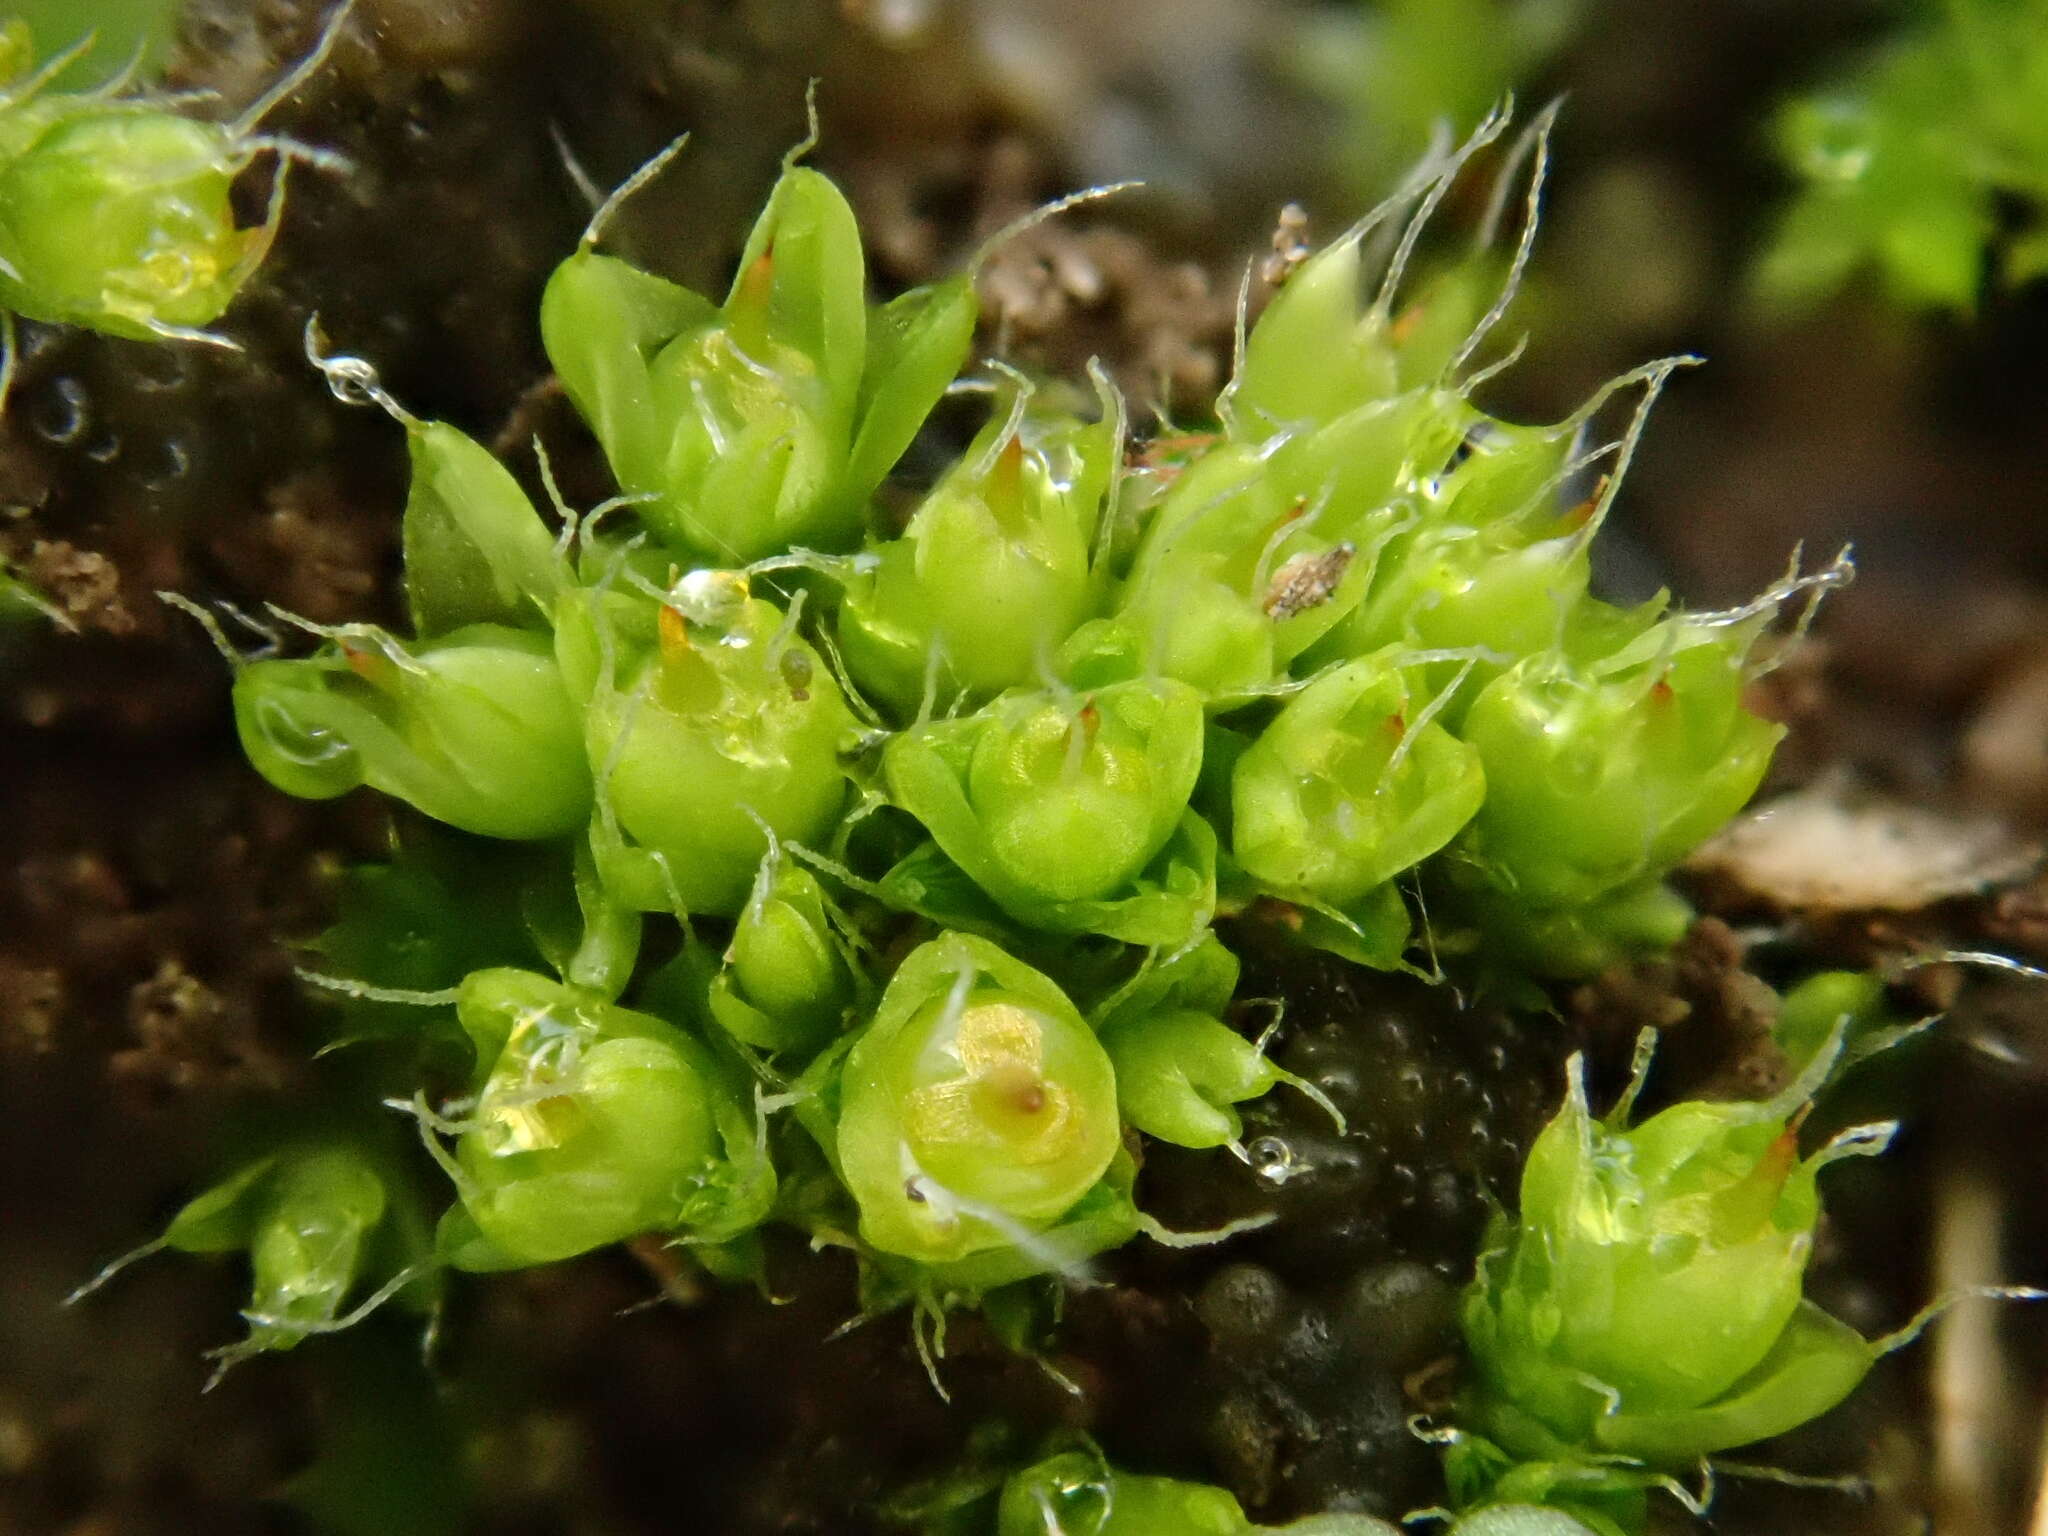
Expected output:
(1273, 1159)
(62, 414)
(170, 463)
(159, 368)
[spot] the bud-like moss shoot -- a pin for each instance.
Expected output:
(1179, 1068)
(994, 571)
(474, 728)
(1849, 1005)
(1237, 574)
(786, 982)
(706, 741)
(767, 421)
(976, 1109)
(1353, 783)
(120, 220)
(116, 212)
(1646, 1304)
(592, 1123)
(1058, 807)
(1601, 774)
(1078, 1493)
(322, 1224)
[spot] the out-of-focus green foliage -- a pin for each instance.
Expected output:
(120, 30)
(1399, 71)
(115, 209)
(1909, 164)
(328, 1220)
(391, 1451)
(20, 601)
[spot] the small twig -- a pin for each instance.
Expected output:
(1970, 1385)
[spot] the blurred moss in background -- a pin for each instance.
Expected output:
(120, 30)
(1397, 71)
(1920, 159)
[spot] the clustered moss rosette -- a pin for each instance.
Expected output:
(920, 833)
(1643, 1311)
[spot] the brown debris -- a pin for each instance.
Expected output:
(309, 551)
(31, 1002)
(1794, 691)
(2004, 749)
(146, 899)
(2016, 919)
(1075, 287)
(1833, 847)
(1432, 1388)
(1290, 246)
(85, 587)
(1307, 581)
(1712, 1016)
(1247, 1442)
(442, 34)
(1059, 295)
(188, 1035)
